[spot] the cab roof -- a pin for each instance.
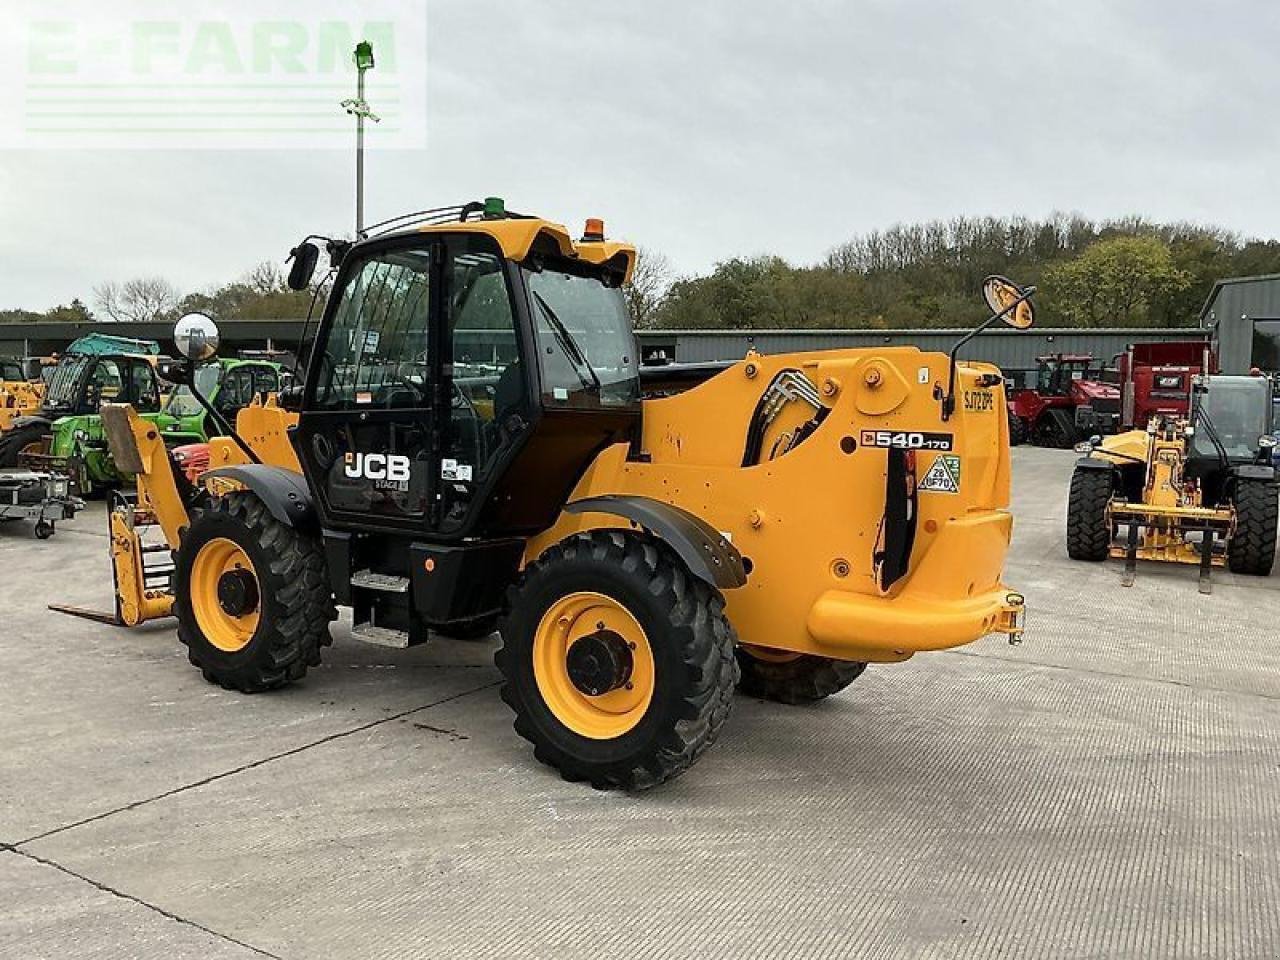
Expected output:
(515, 234)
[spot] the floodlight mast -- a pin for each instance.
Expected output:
(359, 108)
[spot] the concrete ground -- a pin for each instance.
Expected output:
(1109, 789)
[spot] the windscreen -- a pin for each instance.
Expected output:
(1235, 411)
(65, 384)
(182, 402)
(586, 347)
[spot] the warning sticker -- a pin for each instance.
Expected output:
(453, 470)
(943, 476)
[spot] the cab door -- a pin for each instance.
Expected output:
(365, 437)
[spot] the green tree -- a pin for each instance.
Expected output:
(1115, 281)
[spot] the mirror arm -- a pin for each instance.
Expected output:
(218, 418)
(949, 400)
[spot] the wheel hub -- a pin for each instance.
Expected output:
(599, 663)
(238, 593)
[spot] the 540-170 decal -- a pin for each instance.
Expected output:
(908, 440)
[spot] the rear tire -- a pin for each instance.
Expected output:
(18, 439)
(280, 633)
(1088, 532)
(1017, 431)
(1253, 548)
(682, 660)
(795, 680)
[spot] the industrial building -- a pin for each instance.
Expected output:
(1242, 315)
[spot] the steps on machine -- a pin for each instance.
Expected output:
(381, 636)
(382, 582)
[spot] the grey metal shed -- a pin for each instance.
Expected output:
(1243, 316)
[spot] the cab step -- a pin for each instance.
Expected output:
(381, 636)
(382, 582)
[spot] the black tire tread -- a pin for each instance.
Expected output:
(807, 679)
(1088, 532)
(14, 441)
(1252, 550)
(707, 641)
(295, 639)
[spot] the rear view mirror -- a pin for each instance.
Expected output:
(1001, 295)
(304, 256)
(196, 337)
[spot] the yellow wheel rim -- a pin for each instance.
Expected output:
(592, 615)
(227, 627)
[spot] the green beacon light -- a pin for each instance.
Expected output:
(494, 208)
(364, 55)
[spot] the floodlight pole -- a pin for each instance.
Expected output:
(360, 154)
(359, 108)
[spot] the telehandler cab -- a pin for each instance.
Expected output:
(1207, 473)
(471, 448)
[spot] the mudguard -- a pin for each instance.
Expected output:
(1093, 463)
(1255, 471)
(284, 492)
(708, 554)
(31, 420)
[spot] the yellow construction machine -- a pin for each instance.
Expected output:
(18, 395)
(1199, 489)
(475, 446)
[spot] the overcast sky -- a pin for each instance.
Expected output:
(713, 129)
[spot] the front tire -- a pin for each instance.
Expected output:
(1253, 547)
(18, 439)
(252, 596)
(794, 678)
(617, 661)
(1088, 529)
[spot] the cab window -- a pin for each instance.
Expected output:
(587, 352)
(376, 351)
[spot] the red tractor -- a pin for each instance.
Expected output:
(1069, 401)
(1155, 379)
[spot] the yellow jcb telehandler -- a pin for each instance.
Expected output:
(1197, 489)
(472, 449)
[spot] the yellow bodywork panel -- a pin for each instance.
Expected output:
(265, 428)
(807, 522)
(516, 236)
(1127, 447)
(18, 399)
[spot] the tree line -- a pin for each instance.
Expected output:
(1127, 272)
(261, 294)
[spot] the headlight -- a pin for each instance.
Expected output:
(1267, 441)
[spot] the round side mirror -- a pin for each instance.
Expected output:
(1000, 293)
(196, 337)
